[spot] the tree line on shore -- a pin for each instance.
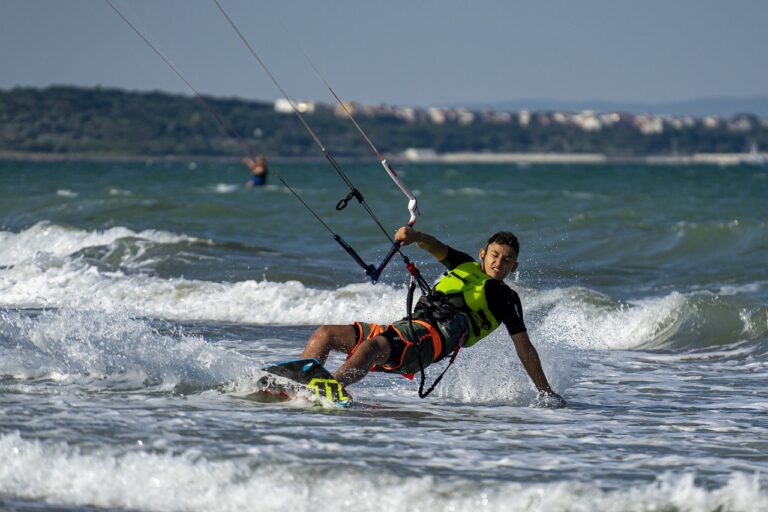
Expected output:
(98, 121)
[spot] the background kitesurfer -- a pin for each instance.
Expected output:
(468, 303)
(259, 170)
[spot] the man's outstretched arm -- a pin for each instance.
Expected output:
(532, 364)
(425, 241)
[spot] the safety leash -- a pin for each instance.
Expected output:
(417, 279)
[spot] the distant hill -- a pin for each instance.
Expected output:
(94, 121)
(721, 106)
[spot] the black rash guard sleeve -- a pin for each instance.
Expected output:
(504, 303)
(455, 258)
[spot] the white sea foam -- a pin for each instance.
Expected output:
(584, 318)
(113, 349)
(739, 289)
(474, 192)
(74, 283)
(492, 372)
(574, 317)
(120, 192)
(45, 238)
(225, 188)
(40, 274)
(151, 480)
(581, 195)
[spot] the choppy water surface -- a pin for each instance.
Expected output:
(138, 302)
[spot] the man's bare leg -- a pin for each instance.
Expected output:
(370, 352)
(330, 337)
(343, 338)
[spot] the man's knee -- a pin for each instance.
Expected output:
(322, 333)
(339, 337)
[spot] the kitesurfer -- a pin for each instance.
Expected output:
(467, 304)
(259, 170)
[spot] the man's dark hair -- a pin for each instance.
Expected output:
(504, 238)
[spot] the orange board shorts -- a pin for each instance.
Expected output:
(409, 343)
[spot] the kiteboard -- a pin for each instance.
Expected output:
(300, 379)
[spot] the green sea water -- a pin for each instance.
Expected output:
(138, 301)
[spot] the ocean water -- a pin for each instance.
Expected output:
(139, 300)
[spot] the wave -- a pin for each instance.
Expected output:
(729, 238)
(69, 350)
(151, 479)
(475, 192)
(63, 192)
(119, 249)
(588, 319)
(46, 238)
(52, 266)
(225, 188)
(571, 316)
(55, 283)
(111, 351)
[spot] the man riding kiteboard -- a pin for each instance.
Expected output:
(467, 304)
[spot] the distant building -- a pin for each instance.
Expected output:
(339, 109)
(436, 115)
(711, 121)
(649, 125)
(283, 106)
(496, 117)
(741, 124)
(408, 114)
(419, 154)
(588, 121)
(524, 118)
(465, 116)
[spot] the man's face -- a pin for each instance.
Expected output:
(498, 260)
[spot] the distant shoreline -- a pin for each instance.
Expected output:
(71, 123)
(720, 159)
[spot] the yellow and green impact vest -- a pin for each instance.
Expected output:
(465, 287)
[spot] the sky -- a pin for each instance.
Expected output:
(397, 52)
